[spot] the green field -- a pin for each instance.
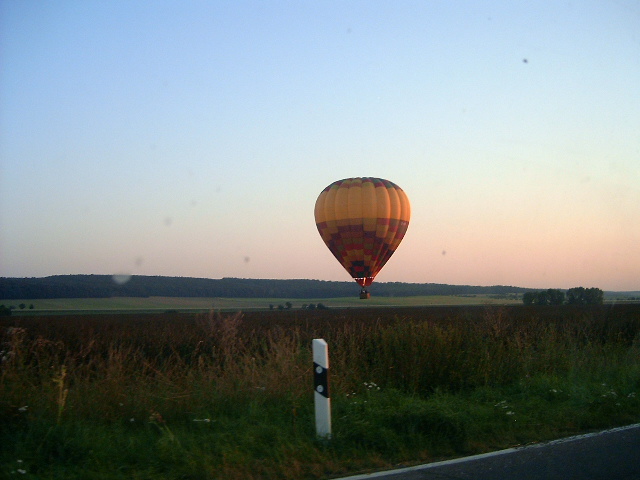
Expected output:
(229, 396)
(193, 305)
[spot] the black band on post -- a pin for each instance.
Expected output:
(321, 380)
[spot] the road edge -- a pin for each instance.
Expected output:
(426, 466)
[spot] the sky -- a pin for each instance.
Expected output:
(192, 138)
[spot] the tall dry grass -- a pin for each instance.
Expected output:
(177, 362)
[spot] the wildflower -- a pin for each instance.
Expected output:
(22, 471)
(155, 417)
(132, 419)
(23, 409)
(205, 420)
(511, 413)
(632, 395)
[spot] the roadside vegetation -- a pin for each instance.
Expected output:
(229, 396)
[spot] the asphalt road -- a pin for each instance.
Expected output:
(609, 455)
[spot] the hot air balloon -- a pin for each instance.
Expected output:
(362, 221)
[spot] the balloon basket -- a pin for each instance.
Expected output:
(364, 295)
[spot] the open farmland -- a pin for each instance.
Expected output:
(204, 304)
(229, 396)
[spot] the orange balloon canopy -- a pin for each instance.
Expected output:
(362, 220)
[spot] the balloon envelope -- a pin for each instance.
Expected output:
(362, 221)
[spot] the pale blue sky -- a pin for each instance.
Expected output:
(192, 138)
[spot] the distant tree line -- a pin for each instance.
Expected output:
(105, 286)
(6, 311)
(573, 296)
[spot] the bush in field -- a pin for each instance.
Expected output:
(574, 296)
(544, 297)
(585, 296)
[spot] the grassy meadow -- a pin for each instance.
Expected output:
(229, 395)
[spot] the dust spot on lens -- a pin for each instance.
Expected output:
(247, 259)
(121, 278)
(168, 221)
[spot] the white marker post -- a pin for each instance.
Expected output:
(321, 388)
